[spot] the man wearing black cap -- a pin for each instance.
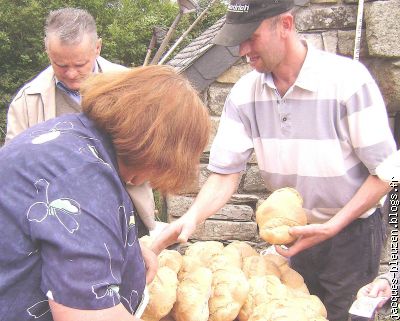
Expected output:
(316, 122)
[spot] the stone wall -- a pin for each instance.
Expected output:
(329, 25)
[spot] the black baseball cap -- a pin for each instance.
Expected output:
(244, 17)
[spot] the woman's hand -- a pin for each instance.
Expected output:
(176, 232)
(151, 263)
(308, 236)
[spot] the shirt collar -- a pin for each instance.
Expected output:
(63, 87)
(308, 76)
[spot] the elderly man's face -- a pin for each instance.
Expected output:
(73, 63)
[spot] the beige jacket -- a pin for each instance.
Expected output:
(35, 103)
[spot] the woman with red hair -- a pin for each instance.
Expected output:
(70, 248)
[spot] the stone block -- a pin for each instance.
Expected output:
(387, 76)
(253, 158)
(322, 40)
(248, 199)
(383, 32)
(178, 206)
(323, 1)
(392, 120)
(261, 200)
(217, 96)
(332, 17)
(346, 40)
(194, 188)
(212, 230)
(253, 182)
(301, 3)
(315, 39)
(330, 41)
(213, 132)
(233, 74)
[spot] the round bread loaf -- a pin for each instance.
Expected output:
(192, 296)
(257, 265)
(162, 291)
(278, 310)
(280, 211)
(312, 306)
(239, 250)
(170, 258)
(262, 289)
(229, 292)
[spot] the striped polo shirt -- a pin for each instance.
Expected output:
(323, 137)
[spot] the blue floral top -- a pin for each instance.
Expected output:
(67, 223)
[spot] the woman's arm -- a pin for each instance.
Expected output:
(63, 313)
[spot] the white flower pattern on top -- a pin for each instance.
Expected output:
(112, 290)
(44, 136)
(64, 209)
(92, 151)
(41, 136)
(130, 238)
(39, 309)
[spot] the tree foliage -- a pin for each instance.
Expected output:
(126, 27)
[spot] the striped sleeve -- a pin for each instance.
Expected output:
(369, 130)
(232, 145)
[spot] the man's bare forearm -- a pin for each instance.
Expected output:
(368, 195)
(214, 194)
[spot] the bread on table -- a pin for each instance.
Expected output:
(192, 296)
(279, 260)
(204, 250)
(262, 289)
(171, 258)
(213, 282)
(278, 310)
(189, 264)
(242, 248)
(229, 292)
(257, 265)
(162, 294)
(293, 279)
(312, 306)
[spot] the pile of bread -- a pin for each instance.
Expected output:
(234, 282)
(214, 282)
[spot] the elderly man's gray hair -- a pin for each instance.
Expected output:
(70, 25)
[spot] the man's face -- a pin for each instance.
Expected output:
(72, 64)
(264, 49)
